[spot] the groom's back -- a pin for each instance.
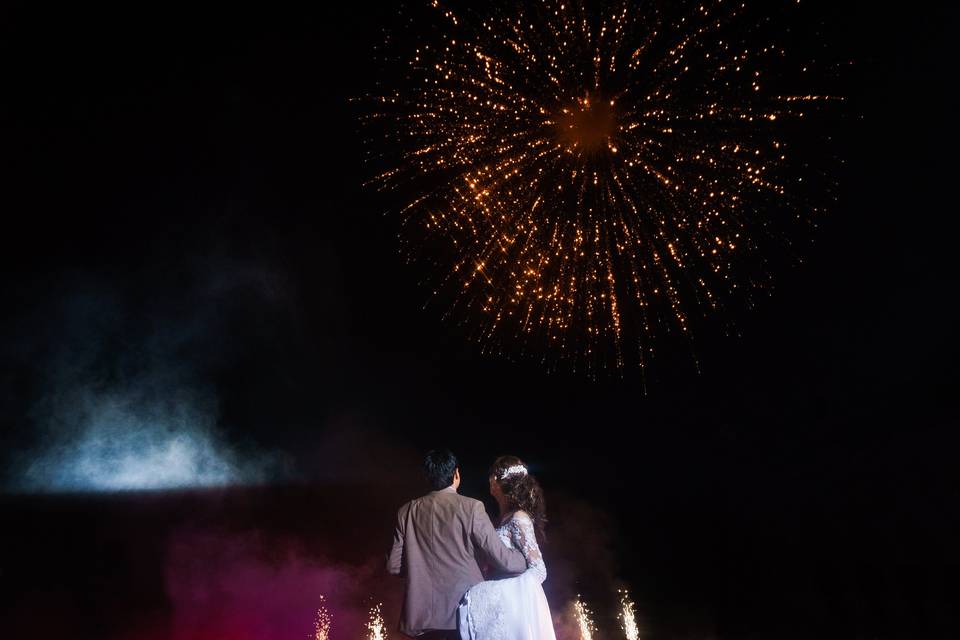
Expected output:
(438, 558)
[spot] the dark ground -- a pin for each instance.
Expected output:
(252, 563)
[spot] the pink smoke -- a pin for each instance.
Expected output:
(249, 587)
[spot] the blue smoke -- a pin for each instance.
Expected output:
(126, 394)
(133, 440)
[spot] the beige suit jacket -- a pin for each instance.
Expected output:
(435, 547)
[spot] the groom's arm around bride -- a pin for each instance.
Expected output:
(435, 546)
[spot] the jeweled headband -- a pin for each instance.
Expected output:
(515, 470)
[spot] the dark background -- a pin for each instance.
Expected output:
(200, 169)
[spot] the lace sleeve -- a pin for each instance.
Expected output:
(525, 539)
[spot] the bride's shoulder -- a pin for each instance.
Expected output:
(521, 517)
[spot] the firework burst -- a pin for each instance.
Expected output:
(585, 179)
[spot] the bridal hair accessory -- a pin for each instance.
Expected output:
(515, 470)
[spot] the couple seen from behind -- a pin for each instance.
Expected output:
(440, 542)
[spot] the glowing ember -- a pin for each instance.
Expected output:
(375, 626)
(584, 619)
(628, 618)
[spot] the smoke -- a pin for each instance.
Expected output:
(267, 582)
(260, 587)
(143, 434)
(581, 562)
(124, 392)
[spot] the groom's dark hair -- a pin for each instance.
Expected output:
(440, 465)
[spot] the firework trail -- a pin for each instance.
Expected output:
(628, 617)
(375, 627)
(584, 179)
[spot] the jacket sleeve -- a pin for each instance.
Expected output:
(485, 537)
(395, 556)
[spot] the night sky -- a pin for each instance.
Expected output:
(187, 239)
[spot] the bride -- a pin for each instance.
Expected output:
(513, 608)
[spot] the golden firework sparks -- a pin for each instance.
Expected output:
(321, 625)
(628, 617)
(584, 618)
(375, 627)
(585, 179)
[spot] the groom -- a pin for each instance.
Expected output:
(435, 547)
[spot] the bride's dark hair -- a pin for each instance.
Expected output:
(522, 491)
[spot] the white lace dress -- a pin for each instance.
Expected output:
(512, 608)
